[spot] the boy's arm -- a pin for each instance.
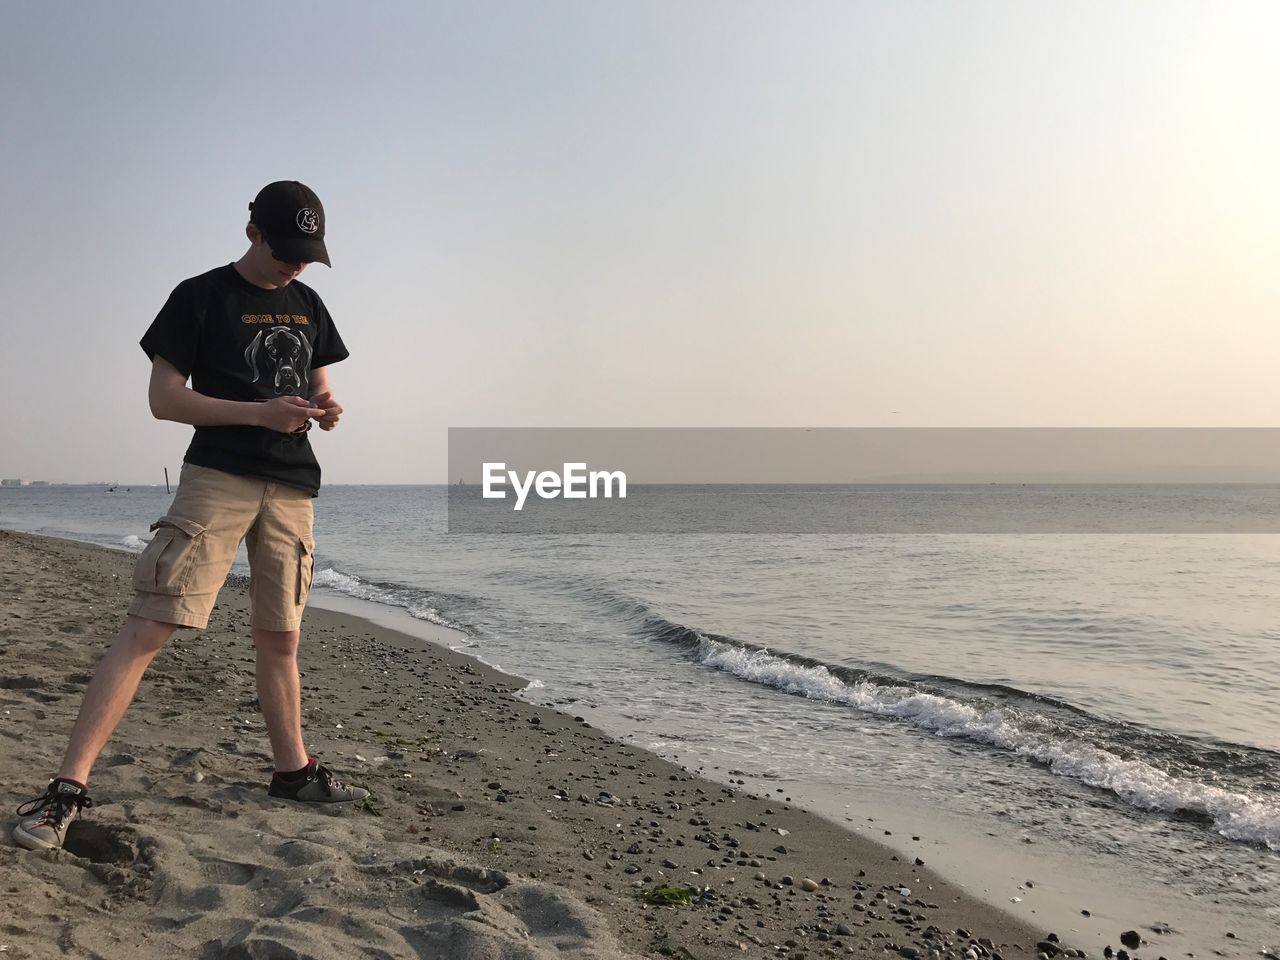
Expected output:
(172, 399)
(322, 396)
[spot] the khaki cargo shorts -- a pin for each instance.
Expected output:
(179, 574)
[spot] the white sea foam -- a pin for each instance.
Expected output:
(134, 542)
(363, 590)
(424, 611)
(1236, 816)
(352, 586)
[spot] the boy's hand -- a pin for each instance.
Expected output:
(330, 411)
(286, 414)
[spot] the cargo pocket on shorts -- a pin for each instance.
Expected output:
(306, 568)
(165, 566)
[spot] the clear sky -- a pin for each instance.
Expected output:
(653, 214)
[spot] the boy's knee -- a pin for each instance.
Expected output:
(280, 643)
(146, 636)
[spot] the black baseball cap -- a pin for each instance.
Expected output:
(291, 219)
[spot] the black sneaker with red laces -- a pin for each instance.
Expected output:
(45, 819)
(314, 783)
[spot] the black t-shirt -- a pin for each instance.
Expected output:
(237, 341)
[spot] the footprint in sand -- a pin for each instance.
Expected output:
(115, 855)
(345, 890)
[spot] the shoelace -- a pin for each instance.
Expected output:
(56, 806)
(328, 780)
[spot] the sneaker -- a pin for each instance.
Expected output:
(316, 784)
(46, 818)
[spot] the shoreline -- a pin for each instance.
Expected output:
(470, 780)
(1087, 901)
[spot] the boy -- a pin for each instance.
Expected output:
(256, 345)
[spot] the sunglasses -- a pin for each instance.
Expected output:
(277, 256)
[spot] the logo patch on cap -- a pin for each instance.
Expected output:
(308, 220)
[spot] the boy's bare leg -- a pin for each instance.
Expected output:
(280, 695)
(111, 691)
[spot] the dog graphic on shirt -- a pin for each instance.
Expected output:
(283, 354)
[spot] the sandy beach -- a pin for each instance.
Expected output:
(497, 829)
